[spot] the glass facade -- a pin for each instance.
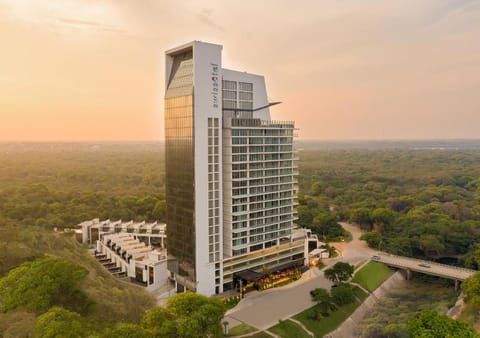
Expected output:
(180, 183)
(237, 99)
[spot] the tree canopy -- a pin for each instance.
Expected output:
(472, 258)
(471, 289)
(340, 272)
(343, 294)
(317, 217)
(186, 315)
(39, 284)
(194, 315)
(60, 323)
(127, 330)
(430, 324)
(324, 301)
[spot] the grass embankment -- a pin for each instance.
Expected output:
(372, 275)
(287, 328)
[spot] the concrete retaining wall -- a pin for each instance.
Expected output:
(457, 309)
(347, 329)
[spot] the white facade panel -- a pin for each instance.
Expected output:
(207, 104)
(260, 98)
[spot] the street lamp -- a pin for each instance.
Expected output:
(225, 328)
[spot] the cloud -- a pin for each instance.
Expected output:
(459, 5)
(440, 12)
(205, 17)
(85, 24)
(71, 14)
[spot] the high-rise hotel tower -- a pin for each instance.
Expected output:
(230, 174)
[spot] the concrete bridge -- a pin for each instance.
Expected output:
(410, 265)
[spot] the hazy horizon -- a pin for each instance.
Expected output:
(93, 71)
(297, 139)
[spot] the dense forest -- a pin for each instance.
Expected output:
(61, 185)
(413, 202)
(422, 203)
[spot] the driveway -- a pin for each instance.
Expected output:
(264, 309)
(355, 250)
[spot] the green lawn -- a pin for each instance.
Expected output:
(287, 329)
(372, 275)
(240, 330)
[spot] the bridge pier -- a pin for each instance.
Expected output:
(457, 284)
(408, 274)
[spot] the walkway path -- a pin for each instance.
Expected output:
(302, 326)
(360, 287)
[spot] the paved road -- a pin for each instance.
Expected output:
(264, 309)
(356, 250)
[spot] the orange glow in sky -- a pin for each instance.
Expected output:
(77, 70)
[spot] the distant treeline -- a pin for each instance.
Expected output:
(455, 144)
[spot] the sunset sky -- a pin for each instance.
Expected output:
(77, 70)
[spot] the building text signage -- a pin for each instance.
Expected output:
(215, 85)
